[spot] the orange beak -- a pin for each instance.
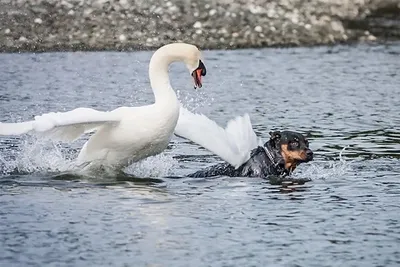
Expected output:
(197, 78)
(197, 73)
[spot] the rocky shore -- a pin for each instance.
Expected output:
(69, 25)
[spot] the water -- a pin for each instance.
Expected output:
(342, 97)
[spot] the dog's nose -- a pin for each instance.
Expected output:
(309, 154)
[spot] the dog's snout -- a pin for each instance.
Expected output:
(309, 154)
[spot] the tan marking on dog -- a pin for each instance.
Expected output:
(292, 156)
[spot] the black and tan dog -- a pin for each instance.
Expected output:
(275, 160)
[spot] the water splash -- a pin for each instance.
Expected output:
(193, 102)
(32, 155)
(325, 169)
(36, 155)
(156, 166)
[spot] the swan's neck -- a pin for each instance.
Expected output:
(159, 78)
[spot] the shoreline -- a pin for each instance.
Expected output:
(60, 49)
(101, 25)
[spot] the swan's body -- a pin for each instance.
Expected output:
(126, 134)
(118, 146)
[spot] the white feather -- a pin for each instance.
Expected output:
(232, 144)
(16, 128)
(64, 126)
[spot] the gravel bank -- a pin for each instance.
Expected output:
(36, 25)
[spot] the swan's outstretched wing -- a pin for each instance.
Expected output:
(64, 126)
(233, 144)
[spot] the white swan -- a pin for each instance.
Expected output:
(126, 134)
(232, 144)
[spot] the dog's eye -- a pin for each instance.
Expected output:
(294, 144)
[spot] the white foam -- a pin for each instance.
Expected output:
(156, 166)
(325, 170)
(36, 155)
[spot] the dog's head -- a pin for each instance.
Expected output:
(292, 147)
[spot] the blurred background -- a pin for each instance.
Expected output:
(36, 25)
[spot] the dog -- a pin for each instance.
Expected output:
(275, 160)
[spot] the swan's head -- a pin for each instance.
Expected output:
(195, 65)
(188, 53)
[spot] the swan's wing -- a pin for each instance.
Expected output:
(15, 128)
(233, 144)
(65, 126)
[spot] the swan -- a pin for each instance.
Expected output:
(127, 134)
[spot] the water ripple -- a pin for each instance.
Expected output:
(345, 98)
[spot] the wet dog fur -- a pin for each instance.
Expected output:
(275, 160)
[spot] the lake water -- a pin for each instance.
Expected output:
(343, 97)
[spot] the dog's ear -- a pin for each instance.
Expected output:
(276, 135)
